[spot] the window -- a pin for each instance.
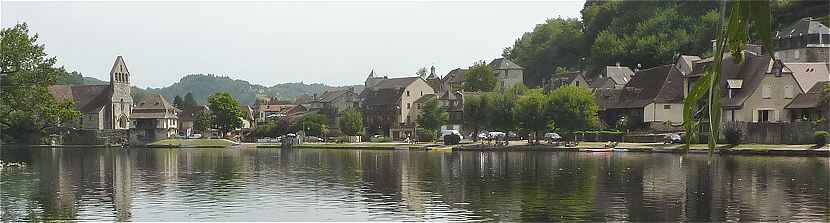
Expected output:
(407, 93)
(407, 105)
(765, 91)
(788, 91)
(577, 83)
(666, 106)
(122, 105)
(422, 93)
(764, 115)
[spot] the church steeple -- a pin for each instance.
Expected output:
(119, 73)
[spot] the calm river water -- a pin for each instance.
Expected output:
(374, 185)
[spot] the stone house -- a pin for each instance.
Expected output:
(807, 40)
(809, 106)
(453, 102)
(453, 81)
(331, 103)
(507, 72)
(186, 118)
(612, 77)
(102, 106)
(153, 119)
(652, 99)
(388, 105)
(575, 78)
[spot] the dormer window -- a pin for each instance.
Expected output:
(407, 93)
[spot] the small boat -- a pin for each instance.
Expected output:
(597, 150)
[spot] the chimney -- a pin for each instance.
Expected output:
(432, 70)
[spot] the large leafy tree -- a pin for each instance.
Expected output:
(530, 112)
(503, 114)
(476, 108)
(432, 116)
(480, 77)
(26, 107)
(351, 122)
(202, 121)
(312, 124)
(556, 43)
(226, 113)
(572, 108)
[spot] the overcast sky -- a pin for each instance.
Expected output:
(275, 42)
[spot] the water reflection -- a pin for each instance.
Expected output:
(360, 185)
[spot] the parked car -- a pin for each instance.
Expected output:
(195, 136)
(552, 138)
(447, 132)
(452, 139)
(313, 139)
(672, 138)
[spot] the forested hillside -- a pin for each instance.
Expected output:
(649, 33)
(203, 86)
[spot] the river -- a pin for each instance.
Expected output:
(398, 185)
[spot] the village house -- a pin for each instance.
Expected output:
(331, 103)
(186, 118)
(507, 72)
(453, 102)
(153, 119)
(806, 40)
(271, 109)
(387, 105)
(651, 100)
(612, 77)
(453, 81)
(102, 106)
(809, 107)
(574, 78)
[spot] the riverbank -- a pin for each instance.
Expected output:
(390, 145)
(749, 149)
(192, 143)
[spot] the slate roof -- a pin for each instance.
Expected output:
(504, 64)
(808, 74)
(751, 72)
(87, 98)
(400, 82)
(154, 106)
(188, 112)
(662, 84)
(330, 96)
(602, 83)
(805, 26)
(455, 76)
(620, 75)
(384, 96)
(424, 99)
(811, 98)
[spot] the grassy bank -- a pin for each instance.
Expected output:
(352, 146)
(191, 143)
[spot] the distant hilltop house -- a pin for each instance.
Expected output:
(102, 106)
(389, 104)
(154, 119)
(802, 42)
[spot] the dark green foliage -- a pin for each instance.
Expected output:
(426, 135)
(530, 112)
(26, 107)
(272, 129)
(189, 101)
(225, 111)
(480, 77)
(178, 102)
(556, 43)
(202, 121)
(476, 114)
(351, 122)
(822, 137)
(432, 116)
(380, 139)
(572, 108)
(313, 125)
(732, 135)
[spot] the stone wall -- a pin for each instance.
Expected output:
(96, 137)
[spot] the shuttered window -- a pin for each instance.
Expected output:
(788, 91)
(766, 91)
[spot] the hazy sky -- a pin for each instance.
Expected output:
(266, 43)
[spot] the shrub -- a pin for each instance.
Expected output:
(732, 135)
(821, 138)
(380, 139)
(425, 135)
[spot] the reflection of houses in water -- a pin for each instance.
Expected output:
(122, 185)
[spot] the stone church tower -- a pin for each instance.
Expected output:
(121, 100)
